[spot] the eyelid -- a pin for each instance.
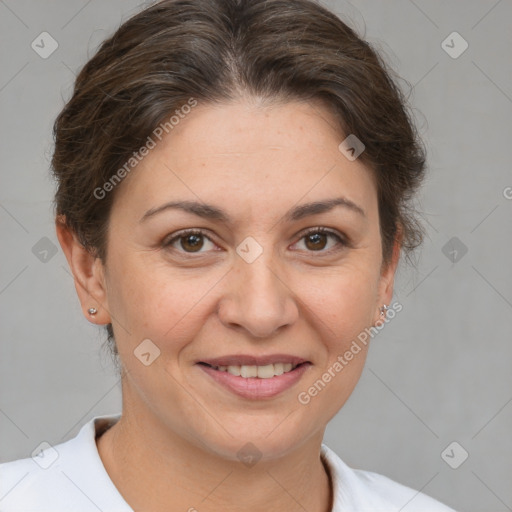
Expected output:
(168, 240)
(342, 241)
(341, 238)
(322, 229)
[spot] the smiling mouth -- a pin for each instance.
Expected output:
(267, 371)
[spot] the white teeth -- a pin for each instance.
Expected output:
(248, 371)
(265, 372)
(234, 370)
(262, 372)
(278, 369)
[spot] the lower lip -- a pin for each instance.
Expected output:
(253, 387)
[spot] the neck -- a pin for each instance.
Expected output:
(155, 469)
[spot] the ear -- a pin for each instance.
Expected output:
(88, 273)
(387, 278)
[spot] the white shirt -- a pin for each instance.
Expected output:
(70, 477)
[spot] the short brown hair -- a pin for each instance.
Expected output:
(216, 51)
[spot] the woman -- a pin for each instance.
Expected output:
(233, 198)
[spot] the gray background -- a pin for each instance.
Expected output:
(439, 372)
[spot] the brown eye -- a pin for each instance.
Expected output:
(323, 241)
(189, 242)
(316, 241)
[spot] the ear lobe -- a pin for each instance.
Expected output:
(88, 273)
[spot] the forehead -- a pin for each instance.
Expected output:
(250, 156)
(250, 127)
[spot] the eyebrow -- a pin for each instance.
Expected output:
(211, 212)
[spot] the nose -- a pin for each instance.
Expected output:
(258, 299)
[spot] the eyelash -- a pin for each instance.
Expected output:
(342, 242)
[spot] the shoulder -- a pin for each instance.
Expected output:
(355, 489)
(67, 476)
(35, 483)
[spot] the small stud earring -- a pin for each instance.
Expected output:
(383, 310)
(92, 311)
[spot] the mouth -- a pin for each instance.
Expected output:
(255, 378)
(267, 371)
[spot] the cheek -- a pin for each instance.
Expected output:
(153, 301)
(342, 310)
(344, 301)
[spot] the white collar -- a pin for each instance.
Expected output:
(353, 490)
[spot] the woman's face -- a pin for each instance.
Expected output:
(250, 289)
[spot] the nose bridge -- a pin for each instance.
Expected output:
(260, 282)
(260, 301)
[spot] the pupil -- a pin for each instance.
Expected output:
(316, 238)
(193, 241)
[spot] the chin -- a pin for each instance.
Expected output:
(268, 437)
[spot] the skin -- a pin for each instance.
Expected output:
(176, 445)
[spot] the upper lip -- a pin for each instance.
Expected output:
(248, 360)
